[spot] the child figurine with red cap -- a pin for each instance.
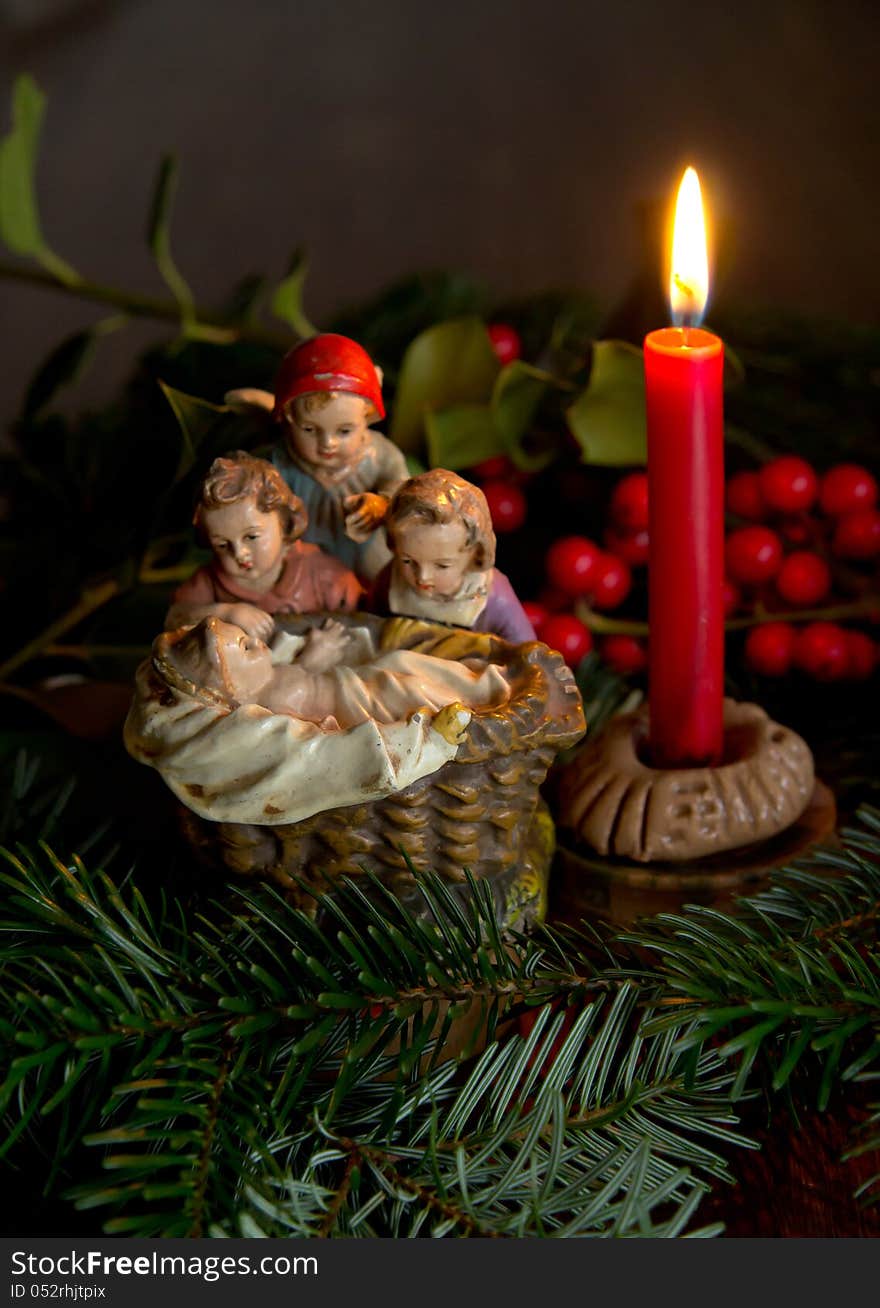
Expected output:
(327, 393)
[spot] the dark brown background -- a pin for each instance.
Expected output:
(514, 140)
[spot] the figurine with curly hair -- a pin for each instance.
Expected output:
(440, 534)
(253, 522)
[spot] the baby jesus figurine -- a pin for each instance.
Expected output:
(222, 665)
(240, 737)
(443, 551)
(327, 393)
(253, 523)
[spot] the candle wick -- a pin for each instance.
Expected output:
(687, 315)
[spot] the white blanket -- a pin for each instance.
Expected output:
(254, 766)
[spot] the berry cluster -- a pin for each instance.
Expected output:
(785, 494)
(823, 650)
(799, 531)
(579, 570)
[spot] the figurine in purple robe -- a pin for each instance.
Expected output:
(440, 535)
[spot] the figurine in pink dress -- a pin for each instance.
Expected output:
(253, 523)
(443, 551)
(327, 393)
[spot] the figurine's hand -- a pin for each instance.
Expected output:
(253, 621)
(363, 514)
(324, 646)
(249, 399)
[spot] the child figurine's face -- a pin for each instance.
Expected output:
(248, 543)
(433, 557)
(331, 438)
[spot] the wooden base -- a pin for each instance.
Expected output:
(586, 884)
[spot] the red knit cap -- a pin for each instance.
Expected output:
(327, 363)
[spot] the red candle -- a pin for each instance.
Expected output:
(683, 380)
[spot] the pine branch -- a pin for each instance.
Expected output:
(212, 1061)
(868, 1142)
(249, 1069)
(794, 975)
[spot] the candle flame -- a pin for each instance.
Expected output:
(689, 271)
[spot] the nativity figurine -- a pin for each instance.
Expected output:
(327, 394)
(439, 530)
(254, 525)
(396, 746)
(242, 732)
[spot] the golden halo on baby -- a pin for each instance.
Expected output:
(191, 660)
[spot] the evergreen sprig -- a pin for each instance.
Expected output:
(246, 1068)
(792, 977)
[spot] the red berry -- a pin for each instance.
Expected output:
(624, 654)
(631, 546)
(857, 535)
(498, 466)
(732, 597)
(862, 655)
(769, 648)
(845, 488)
(568, 634)
(507, 505)
(754, 555)
(822, 651)
(572, 564)
(536, 613)
(804, 579)
(613, 582)
(788, 484)
(744, 498)
(505, 341)
(629, 502)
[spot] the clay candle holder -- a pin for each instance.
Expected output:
(618, 804)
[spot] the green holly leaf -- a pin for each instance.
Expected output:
(19, 212)
(608, 417)
(288, 295)
(244, 300)
(19, 219)
(415, 465)
(208, 430)
(67, 363)
(461, 436)
(448, 365)
(519, 390)
(195, 419)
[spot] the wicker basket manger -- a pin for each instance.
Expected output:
(480, 811)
